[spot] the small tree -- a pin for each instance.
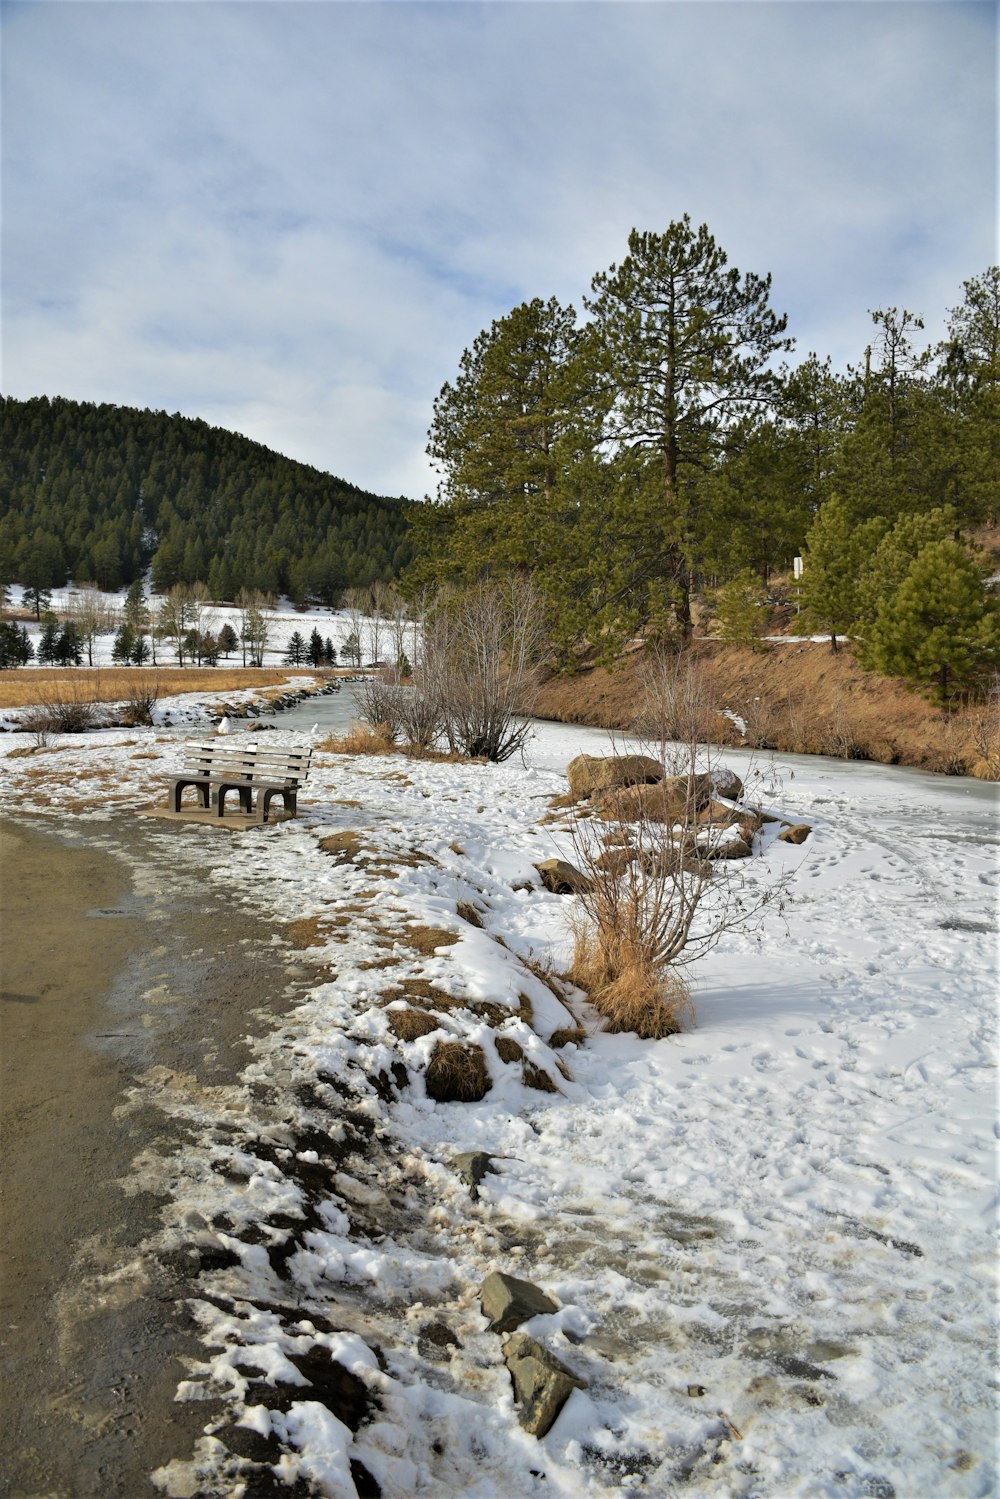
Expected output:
(68, 649)
(351, 649)
(121, 651)
(15, 647)
(329, 652)
(481, 653)
(228, 639)
(741, 610)
(315, 651)
(940, 629)
(297, 650)
(836, 549)
(48, 642)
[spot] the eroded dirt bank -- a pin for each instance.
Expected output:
(796, 697)
(111, 964)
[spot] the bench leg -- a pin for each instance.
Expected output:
(266, 797)
(177, 791)
(245, 794)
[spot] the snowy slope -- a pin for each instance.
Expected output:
(769, 1238)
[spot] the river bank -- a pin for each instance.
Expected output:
(795, 696)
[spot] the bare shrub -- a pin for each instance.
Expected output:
(421, 717)
(645, 917)
(481, 652)
(676, 708)
(984, 726)
(138, 709)
(760, 723)
(69, 710)
(382, 702)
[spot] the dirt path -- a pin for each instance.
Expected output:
(111, 963)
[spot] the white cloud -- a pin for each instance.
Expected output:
(291, 217)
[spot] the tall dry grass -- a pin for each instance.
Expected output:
(21, 688)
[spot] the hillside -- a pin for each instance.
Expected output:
(795, 697)
(100, 492)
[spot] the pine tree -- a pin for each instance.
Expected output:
(297, 650)
(228, 639)
(681, 348)
(741, 610)
(836, 550)
(940, 629)
(315, 650)
(48, 642)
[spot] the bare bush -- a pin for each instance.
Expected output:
(666, 897)
(759, 723)
(676, 707)
(382, 702)
(70, 710)
(479, 663)
(984, 725)
(138, 709)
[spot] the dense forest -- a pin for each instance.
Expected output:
(98, 493)
(663, 453)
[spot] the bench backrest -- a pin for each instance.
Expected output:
(248, 760)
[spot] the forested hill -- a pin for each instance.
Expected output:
(97, 493)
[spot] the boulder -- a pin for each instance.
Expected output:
(796, 834)
(542, 1384)
(718, 812)
(732, 848)
(561, 877)
(508, 1301)
(589, 773)
(672, 800)
(726, 783)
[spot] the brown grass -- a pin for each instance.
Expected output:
(427, 939)
(537, 1078)
(456, 1073)
(305, 932)
(626, 988)
(570, 1036)
(408, 1025)
(345, 847)
(19, 688)
(469, 913)
(801, 696)
(359, 740)
(508, 1050)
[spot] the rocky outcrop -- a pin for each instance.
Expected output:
(798, 833)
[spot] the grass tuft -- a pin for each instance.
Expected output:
(456, 1073)
(408, 1025)
(629, 991)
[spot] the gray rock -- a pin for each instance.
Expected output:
(472, 1166)
(508, 1301)
(542, 1384)
(561, 877)
(733, 848)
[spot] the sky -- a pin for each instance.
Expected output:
(290, 217)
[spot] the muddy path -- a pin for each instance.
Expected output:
(115, 958)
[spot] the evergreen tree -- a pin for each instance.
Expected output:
(228, 639)
(329, 652)
(836, 550)
(15, 647)
(48, 642)
(681, 347)
(883, 573)
(297, 650)
(68, 649)
(351, 648)
(940, 629)
(124, 644)
(741, 610)
(315, 651)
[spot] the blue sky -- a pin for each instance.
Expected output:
(289, 217)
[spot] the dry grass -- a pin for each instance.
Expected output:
(427, 939)
(629, 991)
(508, 1050)
(359, 741)
(20, 688)
(469, 913)
(569, 1036)
(537, 1078)
(456, 1073)
(344, 848)
(305, 932)
(408, 1025)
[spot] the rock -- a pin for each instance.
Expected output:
(726, 783)
(542, 1384)
(561, 877)
(718, 812)
(797, 834)
(733, 848)
(589, 773)
(508, 1301)
(472, 1166)
(675, 799)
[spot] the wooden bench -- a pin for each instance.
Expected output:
(244, 766)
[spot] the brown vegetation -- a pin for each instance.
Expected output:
(20, 688)
(456, 1073)
(799, 697)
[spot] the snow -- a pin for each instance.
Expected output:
(769, 1238)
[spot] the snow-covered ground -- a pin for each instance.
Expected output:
(769, 1238)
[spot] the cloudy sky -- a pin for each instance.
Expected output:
(289, 217)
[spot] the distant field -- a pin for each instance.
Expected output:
(20, 688)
